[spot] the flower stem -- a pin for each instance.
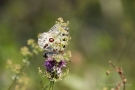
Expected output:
(51, 85)
(12, 84)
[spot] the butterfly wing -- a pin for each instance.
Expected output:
(43, 41)
(53, 40)
(54, 29)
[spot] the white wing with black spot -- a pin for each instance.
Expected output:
(52, 39)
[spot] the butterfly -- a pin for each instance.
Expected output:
(55, 40)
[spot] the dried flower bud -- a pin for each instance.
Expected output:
(110, 62)
(120, 71)
(124, 80)
(108, 72)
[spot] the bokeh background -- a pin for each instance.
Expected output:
(101, 30)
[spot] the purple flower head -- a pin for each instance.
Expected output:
(53, 66)
(62, 63)
(49, 64)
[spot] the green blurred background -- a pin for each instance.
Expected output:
(101, 30)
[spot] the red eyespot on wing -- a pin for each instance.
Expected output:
(51, 39)
(45, 45)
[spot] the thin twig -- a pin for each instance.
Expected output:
(120, 72)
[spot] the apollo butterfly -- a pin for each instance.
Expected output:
(55, 40)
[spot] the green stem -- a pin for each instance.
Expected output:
(124, 87)
(12, 84)
(51, 85)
